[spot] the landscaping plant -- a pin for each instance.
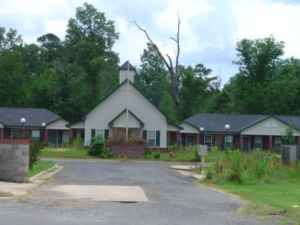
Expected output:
(97, 146)
(34, 151)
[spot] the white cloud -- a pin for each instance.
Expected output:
(262, 18)
(131, 42)
(57, 27)
(188, 11)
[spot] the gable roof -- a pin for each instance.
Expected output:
(127, 66)
(34, 116)
(294, 121)
(115, 89)
(111, 123)
(215, 122)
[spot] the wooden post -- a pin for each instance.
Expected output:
(241, 142)
(270, 142)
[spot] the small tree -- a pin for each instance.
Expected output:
(288, 138)
(97, 147)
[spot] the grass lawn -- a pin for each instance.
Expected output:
(65, 153)
(269, 198)
(40, 166)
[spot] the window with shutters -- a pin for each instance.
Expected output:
(277, 143)
(151, 138)
(35, 135)
(100, 133)
(258, 142)
(208, 140)
(228, 141)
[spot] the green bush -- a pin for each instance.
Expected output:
(156, 155)
(34, 151)
(106, 154)
(148, 154)
(97, 146)
(78, 143)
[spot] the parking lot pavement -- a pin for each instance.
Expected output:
(171, 198)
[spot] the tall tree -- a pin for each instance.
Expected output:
(172, 65)
(198, 86)
(89, 41)
(152, 78)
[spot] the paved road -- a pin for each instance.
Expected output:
(173, 199)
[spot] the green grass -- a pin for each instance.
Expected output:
(270, 198)
(40, 166)
(65, 153)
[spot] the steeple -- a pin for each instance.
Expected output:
(127, 71)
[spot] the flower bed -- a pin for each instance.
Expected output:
(128, 150)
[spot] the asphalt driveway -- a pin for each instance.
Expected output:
(170, 198)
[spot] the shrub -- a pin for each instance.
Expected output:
(106, 154)
(34, 151)
(97, 146)
(156, 155)
(148, 154)
(78, 143)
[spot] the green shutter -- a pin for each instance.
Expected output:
(145, 135)
(93, 133)
(106, 133)
(158, 138)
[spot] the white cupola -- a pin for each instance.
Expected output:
(127, 72)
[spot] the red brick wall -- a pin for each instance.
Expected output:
(218, 139)
(1, 133)
(128, 150)
(14, 141)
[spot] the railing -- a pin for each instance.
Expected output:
(15, 141)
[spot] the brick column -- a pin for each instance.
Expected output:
(198, 139)
(298, 140)
(70, 132)
(168, 138)
(1, 133)
(241, 142)
(45, 136)
(270, 142)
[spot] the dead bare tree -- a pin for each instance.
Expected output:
(173, 69)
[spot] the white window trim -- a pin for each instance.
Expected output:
(148, 139)
(227, 142)
(258, 142)
(210, 142)
(100, 133)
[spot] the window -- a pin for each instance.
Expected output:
(151, 138)
(277, 143)
(100, 133)
(35, 135)
(208, 140)
(15, 133)
(228, 141)
(258, 142)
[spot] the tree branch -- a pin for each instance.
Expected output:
(178, 48)
(169, 66)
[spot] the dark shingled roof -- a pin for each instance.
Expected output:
(291, 120)
(215, 122)
(34, 116)
(127, 66)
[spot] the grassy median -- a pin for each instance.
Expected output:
(40, 166)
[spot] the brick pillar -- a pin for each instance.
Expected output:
(45, 136)
(198, 139)
(178, 137)
(298, 140)
(270, 146)
(1, 133)
(70, 136)
(168, 137)
(241, 142)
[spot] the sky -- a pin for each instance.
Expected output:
(209, 30)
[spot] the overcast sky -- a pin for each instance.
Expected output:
(209, 31)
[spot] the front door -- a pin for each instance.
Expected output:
(190, 140)
(246, 143)
(53, 138)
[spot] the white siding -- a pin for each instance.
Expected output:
(78, 125)
(270, 126)
(188, 128)
(58, 125)
(131, 122)
(1, 125)
(124, 74)
(172, 128)
(102, 114)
